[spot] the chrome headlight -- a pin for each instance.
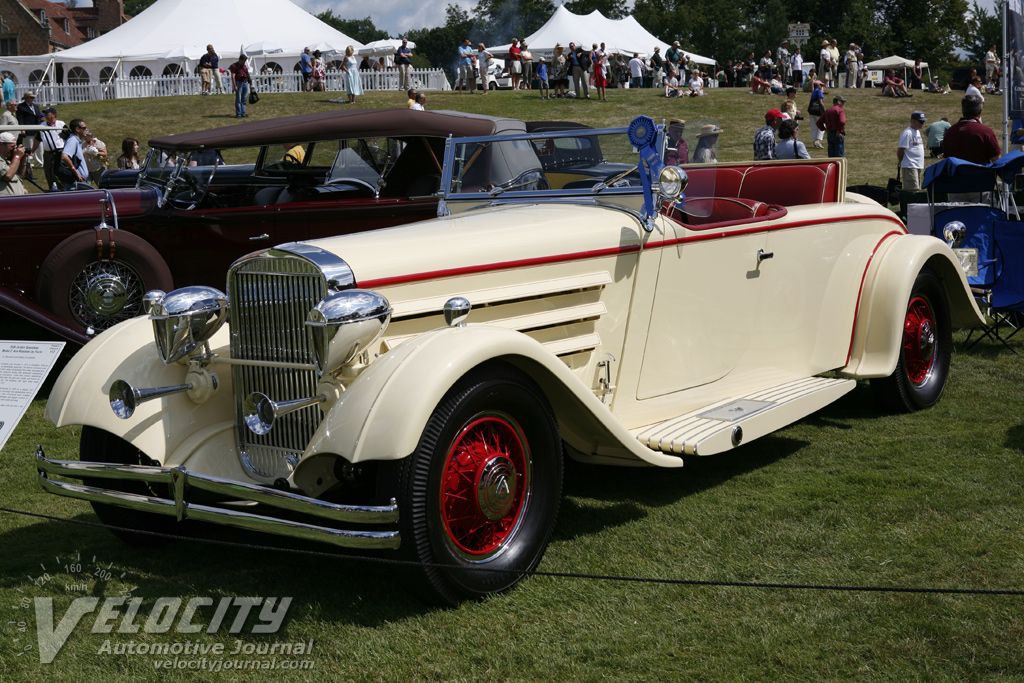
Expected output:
(185, 318)
(953, 233)
(344, 324)
(672, 181)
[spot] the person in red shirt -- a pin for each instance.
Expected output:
(834, 122)
(969, 138)
(893, 86)
(515, 63)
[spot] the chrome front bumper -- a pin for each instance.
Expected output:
(181, 480)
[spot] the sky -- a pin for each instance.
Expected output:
(393, 16)
(398, 16)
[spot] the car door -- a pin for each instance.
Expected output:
(704, 308)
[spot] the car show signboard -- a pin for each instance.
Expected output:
(23, 367)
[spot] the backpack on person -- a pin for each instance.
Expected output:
(585, 60)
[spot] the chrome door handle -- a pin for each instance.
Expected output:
(259, 238)
(763, 255)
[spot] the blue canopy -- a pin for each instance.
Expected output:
(956, 175)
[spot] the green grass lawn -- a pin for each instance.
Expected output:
(873, 122)
(848, 496)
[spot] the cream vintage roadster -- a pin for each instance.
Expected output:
(413, 391)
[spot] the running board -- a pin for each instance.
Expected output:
(725, 425)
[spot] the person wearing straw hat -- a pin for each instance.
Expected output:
(676, 150)
(707, 138)
(825, 64)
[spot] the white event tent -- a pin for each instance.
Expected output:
(620, 36)
(896, 62)
(178, 31)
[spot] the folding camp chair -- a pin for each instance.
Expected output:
(976, 252)
(1008, 288)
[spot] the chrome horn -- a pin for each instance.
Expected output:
(124, 398)
(260, 412)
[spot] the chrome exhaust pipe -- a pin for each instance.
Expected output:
(124, 398)
(260, 412)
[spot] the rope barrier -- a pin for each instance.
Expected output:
(557, 575)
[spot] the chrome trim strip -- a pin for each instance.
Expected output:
(180, 479)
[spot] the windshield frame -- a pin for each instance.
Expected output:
(451, 164)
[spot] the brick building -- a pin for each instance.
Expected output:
(35, 27)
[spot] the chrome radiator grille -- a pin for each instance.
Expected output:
(271, 295)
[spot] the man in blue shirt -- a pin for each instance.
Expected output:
(73, 156)
(403, 60)
(466, 58)
(306, 67)
(209, 64)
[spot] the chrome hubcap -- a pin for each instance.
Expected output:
(105, 294)
(927, 340)
(496, 488)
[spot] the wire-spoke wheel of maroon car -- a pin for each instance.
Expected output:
(99, 290)
(479, 497)
(97, 445)
(925, 349)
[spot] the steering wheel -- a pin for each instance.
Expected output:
(354, 181)
(192, 194)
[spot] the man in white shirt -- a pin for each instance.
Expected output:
(51, 143)
(991, 63)
(975, 88)
(797, 61)
(671, 84)
(911, 153)
(636, 71)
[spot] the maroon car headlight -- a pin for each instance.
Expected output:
(345, 324)
(185, 318)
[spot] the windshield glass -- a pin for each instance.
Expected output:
(542, 162)
(583, 162)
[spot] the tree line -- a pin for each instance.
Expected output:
(945, 34)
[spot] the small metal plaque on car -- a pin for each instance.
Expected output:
(736, 410)
(968, 261)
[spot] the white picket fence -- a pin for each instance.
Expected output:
(169, 86)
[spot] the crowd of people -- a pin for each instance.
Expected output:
(68, 155)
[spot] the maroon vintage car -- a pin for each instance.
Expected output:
(79, 262)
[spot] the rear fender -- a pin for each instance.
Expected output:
(878, 331)
(384, 411)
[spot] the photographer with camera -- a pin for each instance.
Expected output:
(12, 161)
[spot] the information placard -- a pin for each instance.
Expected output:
(23, 369)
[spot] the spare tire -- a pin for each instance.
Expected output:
(83, 290)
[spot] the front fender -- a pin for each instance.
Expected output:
(384, 411)
(169, 429)
(878, 332)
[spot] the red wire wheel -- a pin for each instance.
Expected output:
(919, 341)
(485, 485)
(479, 496)
(926, 345)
